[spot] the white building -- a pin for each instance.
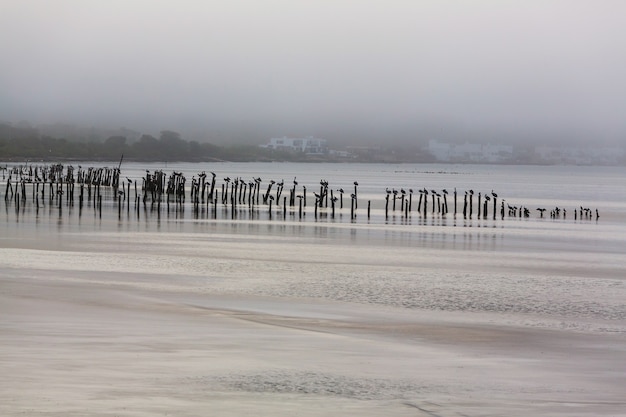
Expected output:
(497, 153)
(580, 155)
(440, 150)
(308, 145)
(469, 152)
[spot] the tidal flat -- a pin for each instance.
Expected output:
(192, 315)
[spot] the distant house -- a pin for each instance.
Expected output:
(580, 155)
(340, 154)
(308, 145)
(469, 152)
(440, 150)
(497, 153)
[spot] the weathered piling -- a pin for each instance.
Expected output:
(352, 207)
(395, 195)
(212, 189)
(487, 198)
(258, 189)
(269, 190)
(292, 201)
(432, 195)
(387, 204)
(251, 186)
(62, 185)
(279, 190)
(419, 203)
(465, 206)
(225, 190)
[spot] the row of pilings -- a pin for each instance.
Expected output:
(56, 184)
(236, 192)
(473, 205)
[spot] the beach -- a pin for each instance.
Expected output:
(188, 316)
(91, 340)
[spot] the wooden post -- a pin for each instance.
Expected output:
(386, 206)
(352, 207)
(465, 206)
(455, 201)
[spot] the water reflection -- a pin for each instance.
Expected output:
(102, 208)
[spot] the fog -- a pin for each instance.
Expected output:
(353, 71)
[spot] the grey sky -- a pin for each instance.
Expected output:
(344, 69)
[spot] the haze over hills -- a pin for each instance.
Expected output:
(353, 72)
(22, 141)
(340, 136)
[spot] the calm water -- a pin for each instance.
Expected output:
(537, 271)
(154, 309)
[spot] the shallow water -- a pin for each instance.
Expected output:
(341, 313)
(561, 269)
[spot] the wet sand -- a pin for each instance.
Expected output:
(73, 344)
(159, 313)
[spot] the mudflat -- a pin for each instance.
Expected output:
(155, 311)
(71, 344)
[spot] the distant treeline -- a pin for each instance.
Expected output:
(19, 144)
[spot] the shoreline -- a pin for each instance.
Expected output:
(109, 313)
(83, 348)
